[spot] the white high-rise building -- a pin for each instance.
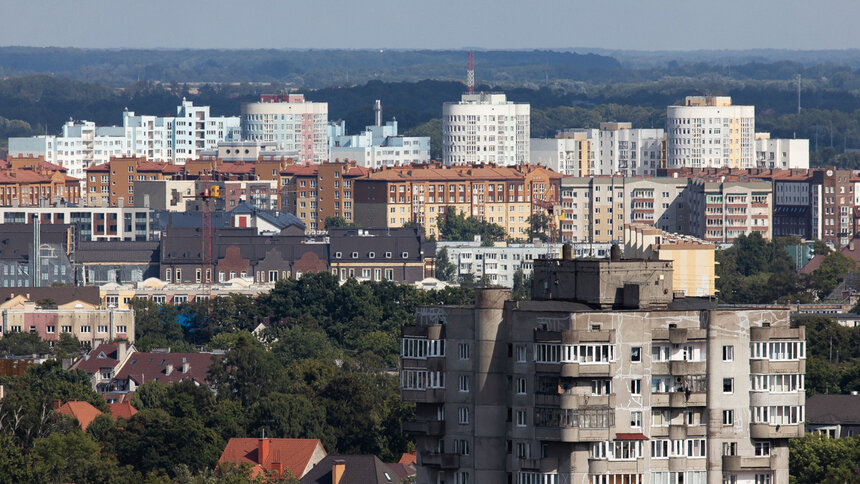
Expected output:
(615, 148)
(485, 127)
(377, 146)
(710, 132)
(165, 139)
(290, 121)
(781, 153)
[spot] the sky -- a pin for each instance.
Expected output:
(433, 24)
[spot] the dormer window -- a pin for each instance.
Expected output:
(388, 255)
(355, 255)
(371, 255)
(405, 255)
(338, 255)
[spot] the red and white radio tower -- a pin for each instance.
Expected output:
(470, 73)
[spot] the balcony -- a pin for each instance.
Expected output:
(683, 400)
(605, 466)
(544, 399)
(736, 463)
(436, 331)
(577, 370)
(769, 333)
(679, 335)
(787, 366)
(542, 335)
(571, 401)
(681, 368)
(430, 395)
(440, 461)
(677, 464)
(532, 464)
(572, 337)
(425, 427)
(767, 431)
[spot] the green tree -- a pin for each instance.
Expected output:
(539, 226)
(337, 221)
(22, 344)
(75, 457)
(522, 288)
(445, 270)
(456, 226)
(816, 459)
(289, 416)
(831, 272)
(46, 303)
(246, 372)
(153, 441)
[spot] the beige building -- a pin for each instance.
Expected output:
(724, 208)
(656, 201)
(648, 390)
(693, 264)
(710, 132)
(90, 325)
(592, 209)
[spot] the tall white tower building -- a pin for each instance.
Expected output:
(710, 132)
(485, 127)
(290, 121)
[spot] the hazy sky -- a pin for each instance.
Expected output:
(434, 24)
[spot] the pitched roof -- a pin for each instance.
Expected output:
(143, 367)
(60, 295)
(84, 412)
(121, 410)
(408, 458)
(295, 455)
(833, 409)
(102, 356)
(359, 469)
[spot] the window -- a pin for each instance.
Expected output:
(463, 415)
(728, 417)
(636, 387)
(103, 329)
(728, 353)
(601, 387)
(730, 448)
(728, 385)
(462, 477)
(464, 350)
(762, 448)
(659, 418)
(636, 353)
(730, 479)
(523, 450)
(762, 479)
(521, 353)
(659, 353)
(51, 329)
(464, 383)
(461, 447)
(636, 418)
(521, 418)
(521, 386)
(65, 329)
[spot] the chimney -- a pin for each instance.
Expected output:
(57, 404)
(338, 468)
(121, 351)
(186, 366)
(377, 112)
(262, 450)
(168, 370)
(851, 246)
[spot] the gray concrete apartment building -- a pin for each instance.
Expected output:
(603, 378)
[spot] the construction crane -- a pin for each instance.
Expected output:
(207, 196)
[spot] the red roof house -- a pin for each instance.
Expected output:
(84, 412)
(298, 456)
(121, 410)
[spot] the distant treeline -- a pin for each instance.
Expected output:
(41, 104)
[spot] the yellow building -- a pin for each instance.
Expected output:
(693, 264)
(506, 196)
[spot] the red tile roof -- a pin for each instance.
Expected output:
(121, 410)
(84, 412)
(300, 170)
(295, 455)
(408, 458)
(173, 169)
(101, 167)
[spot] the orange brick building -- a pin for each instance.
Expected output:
(32, 182)
(315, 192)
(507, 196)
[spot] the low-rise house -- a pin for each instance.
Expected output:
(83, 412)
(102, 362)
(364, 469)
(90, 326)
(122, 410)
(835, 416)
(142, 367)
(280, 456)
